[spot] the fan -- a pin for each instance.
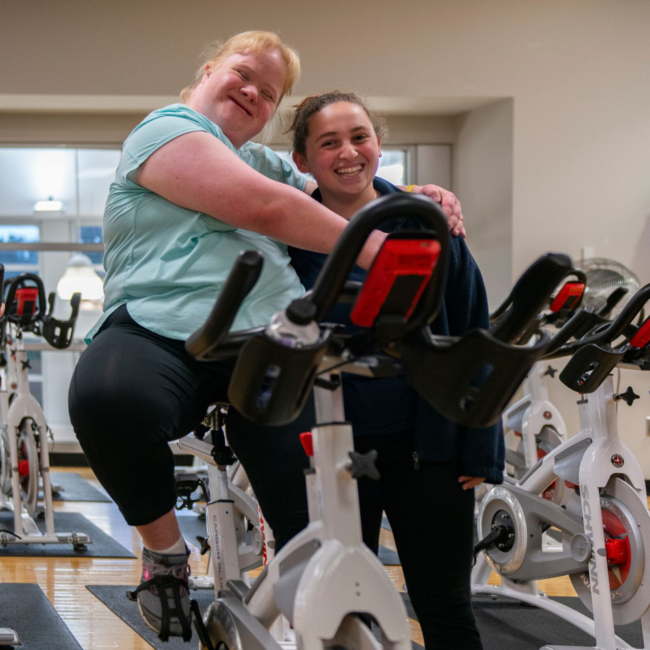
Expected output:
(604, 277)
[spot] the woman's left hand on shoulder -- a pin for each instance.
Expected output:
(448, 202)
(469, 482)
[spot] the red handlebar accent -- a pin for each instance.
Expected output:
(307, 443)
(396, 280)
(26, 300)
(641, 338)
(568, 296)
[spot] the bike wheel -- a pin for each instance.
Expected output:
(221, 628)
(627, 524)
(28, 467)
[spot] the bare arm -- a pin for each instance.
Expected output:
(198, 172)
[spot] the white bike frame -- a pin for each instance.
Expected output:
(533, 412)
(24, 406)
(599, 430)
(325, 573)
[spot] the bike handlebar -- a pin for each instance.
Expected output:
(334, 274)
(212, 341)
(529, 295)
(14, 285)
(608, 333)
(56, 332)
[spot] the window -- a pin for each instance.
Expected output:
(19, 234)
(392, 166)
(92, 235)
(80, 179)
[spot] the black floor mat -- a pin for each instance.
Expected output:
(26, 609)
(115, 599)
(191, 526)
(102, 544)
(506, 624)
(76, 488)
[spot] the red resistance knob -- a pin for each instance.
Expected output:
(617, 551)
(23, 468)
(307, 443)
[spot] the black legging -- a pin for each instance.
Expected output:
(134, 391)
(431, 516)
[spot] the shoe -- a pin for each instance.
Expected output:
(168, 575)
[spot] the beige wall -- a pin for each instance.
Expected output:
(576, 72)
(482, 172)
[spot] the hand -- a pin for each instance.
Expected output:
(2, 310)
(470, 482)
(448, 202)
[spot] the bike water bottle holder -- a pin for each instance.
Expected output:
(589, 367)
(471, 381)
(271, 381)
(58, 333)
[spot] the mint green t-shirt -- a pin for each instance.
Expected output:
(167, 263)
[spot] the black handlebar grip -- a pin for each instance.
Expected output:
(612, 300)
(530, 294)
(240, 281)
(2, 280)
(620, 324)
(569, 329)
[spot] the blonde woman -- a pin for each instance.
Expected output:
(191, 191)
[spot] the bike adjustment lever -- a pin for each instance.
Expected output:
(364, 465)
(628, 396)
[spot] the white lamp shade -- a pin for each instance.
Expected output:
(80, 277)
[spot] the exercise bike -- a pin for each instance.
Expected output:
(604, 522)
(534, 419)
(24, 453)
(253, 539)
(324, 580)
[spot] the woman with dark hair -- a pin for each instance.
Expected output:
(428, 465)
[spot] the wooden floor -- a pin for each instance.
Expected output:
(64, 580)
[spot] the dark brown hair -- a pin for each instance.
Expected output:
(316, 103)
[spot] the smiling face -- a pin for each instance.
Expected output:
(342, 150)
(241, 93)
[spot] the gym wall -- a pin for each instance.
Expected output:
(547, 104)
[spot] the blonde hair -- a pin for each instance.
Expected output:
(255, 42)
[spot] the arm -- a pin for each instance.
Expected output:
(448, 202)
(198, 172)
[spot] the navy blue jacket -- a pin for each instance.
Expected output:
(376, 406)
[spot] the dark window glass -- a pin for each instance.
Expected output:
(93, 235)
(21, 234)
